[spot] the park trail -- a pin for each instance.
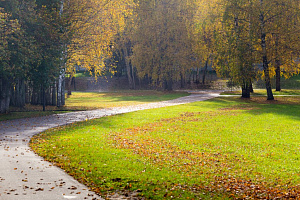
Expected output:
(26, 176)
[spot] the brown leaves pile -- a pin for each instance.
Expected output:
(214, 166)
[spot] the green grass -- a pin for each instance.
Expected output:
(263, 92)
(94, 100)
(217, 149)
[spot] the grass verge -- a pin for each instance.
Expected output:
(221, 148)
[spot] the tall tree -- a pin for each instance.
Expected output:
(258, 33)
(234, 41)
(18, 45)
(8, 27)
(89, 31)
(162, 46)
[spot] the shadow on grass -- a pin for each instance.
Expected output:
(282, 106)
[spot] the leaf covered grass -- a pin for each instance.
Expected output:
(221, 148)
(93, 100)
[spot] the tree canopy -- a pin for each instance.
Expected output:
(161, 41)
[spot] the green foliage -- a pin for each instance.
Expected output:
(222, 148)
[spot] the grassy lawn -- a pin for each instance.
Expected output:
(217, 149)
(94, 100)
(264, 92)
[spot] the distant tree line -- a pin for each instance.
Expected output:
(168, 40)
(160, 42)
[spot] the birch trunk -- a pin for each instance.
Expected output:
(59, 89)
(60, 84)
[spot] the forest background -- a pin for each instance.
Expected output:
(158, 42)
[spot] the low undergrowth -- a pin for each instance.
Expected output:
(217, 149)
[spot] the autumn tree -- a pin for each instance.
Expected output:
(203, 28)
(123, 51)
(257, 33)
(161, 42)
(17, 46)
(284, 40)
(234, 44)
(90, 31)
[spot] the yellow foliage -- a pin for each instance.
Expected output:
(94, 24)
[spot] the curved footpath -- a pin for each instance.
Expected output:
(26, 176)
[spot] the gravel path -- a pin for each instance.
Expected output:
(26, 176)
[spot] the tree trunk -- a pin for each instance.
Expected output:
(43, 98)
(278, 75)
(182, 81)
(246, 90)
(5, 89)
(133, 77)
(205, 71)
(251, 87)
(61, 79)
(61, 89)
(53, 90)
(70, 84)
(264, 56)
(277, 63)
(168, 84)
(28, 92)
(197, 76)
(250, 45)
(63, 92)
(18, 93)
(128, 68)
